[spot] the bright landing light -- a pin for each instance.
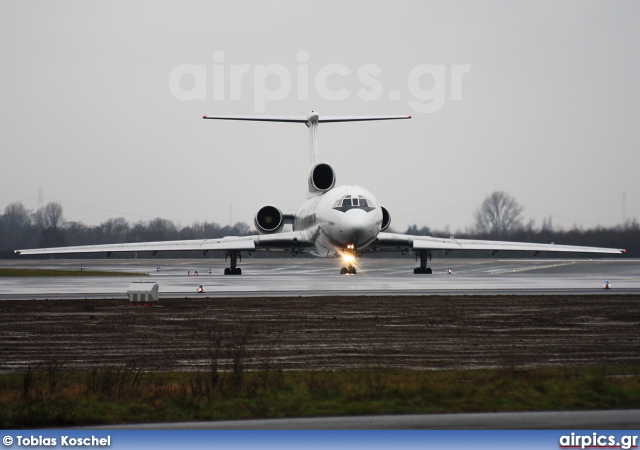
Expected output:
(348, 257)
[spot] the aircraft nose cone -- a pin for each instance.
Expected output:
(358, 228)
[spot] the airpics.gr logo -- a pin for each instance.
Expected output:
(595, 440)
(274, 82)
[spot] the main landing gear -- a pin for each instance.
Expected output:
(423, 269)
(233, 269)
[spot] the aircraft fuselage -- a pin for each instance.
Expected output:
(342, 217)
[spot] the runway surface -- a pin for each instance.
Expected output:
(317, 276)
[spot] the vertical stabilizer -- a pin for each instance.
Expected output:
(312, 123)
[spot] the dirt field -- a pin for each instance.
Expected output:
(323, 332)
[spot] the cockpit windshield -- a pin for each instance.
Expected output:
(351, 202)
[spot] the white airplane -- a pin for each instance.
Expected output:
(334, 221)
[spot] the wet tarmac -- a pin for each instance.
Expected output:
(317, 276)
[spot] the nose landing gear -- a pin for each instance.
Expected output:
(348, 270)
(349, 256)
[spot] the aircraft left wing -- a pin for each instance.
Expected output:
(276, 242)
(396, 241)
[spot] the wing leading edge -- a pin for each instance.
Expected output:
(273, 242)
(391, 241)
(294, 241)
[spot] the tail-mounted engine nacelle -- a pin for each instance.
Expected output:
(321, 177)
(386, 219)
(269, 219)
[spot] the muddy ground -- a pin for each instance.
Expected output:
(431, 332)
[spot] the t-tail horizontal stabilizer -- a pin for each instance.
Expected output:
(312, 121)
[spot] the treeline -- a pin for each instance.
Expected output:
(625, 236)
(21, 228)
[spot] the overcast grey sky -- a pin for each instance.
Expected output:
(546, 108)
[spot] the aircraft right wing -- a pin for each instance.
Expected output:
(396, 241)
(292, 240)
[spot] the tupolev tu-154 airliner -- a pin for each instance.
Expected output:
(334, 221)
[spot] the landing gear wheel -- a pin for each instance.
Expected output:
(423, 269)
(233, 269)
(352, 270)
(343, 271)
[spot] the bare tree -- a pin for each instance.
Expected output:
(155, 230)
(162, 230)
(49, 217)
(115, 230)
(241, 229)
(499, 214)
(16, 216)
(48, 220)
(53, 215)
(415, 231)
(15, 226)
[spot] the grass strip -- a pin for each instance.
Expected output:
(6, 272)
(54, 398)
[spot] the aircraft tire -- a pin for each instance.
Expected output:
(426, 271)
(352, 270)
(227, 271)
(343, 271)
